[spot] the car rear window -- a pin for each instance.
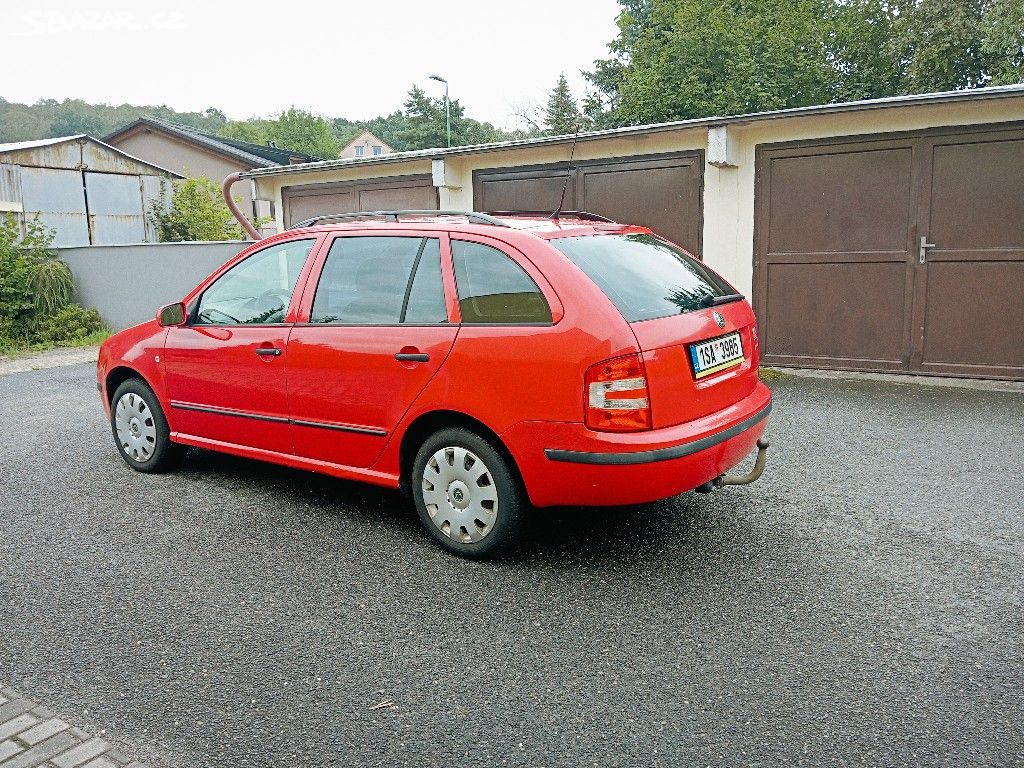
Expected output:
(645, 277)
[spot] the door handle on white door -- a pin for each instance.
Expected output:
(922, 253)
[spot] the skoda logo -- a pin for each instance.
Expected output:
(719, 319)
(457, 494)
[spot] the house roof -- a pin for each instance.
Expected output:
(976, 94)
(256, 155)
(362, 136)
(23, 146)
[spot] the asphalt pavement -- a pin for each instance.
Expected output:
(862, 604)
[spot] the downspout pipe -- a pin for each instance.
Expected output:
(233, 206)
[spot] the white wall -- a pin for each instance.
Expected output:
(161, 273)
(728, 237)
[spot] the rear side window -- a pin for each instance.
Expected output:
(645, 277)
(494, 289)
(381, 281)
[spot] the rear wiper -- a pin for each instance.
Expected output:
(710, 300)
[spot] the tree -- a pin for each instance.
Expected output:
(68, 122)
(693, 58)
(302, 130)
(425, 120)
(425, 125)
(866, 50)
(562, 114)
(676, 59)
(295, 128)
(254, 131)
(49, 118)
(196, 211)
(944, 39)
(1003, 42)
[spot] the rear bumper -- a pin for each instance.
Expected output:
(567, 464)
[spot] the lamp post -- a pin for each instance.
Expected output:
(447, 109)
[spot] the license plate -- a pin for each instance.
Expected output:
(716, 355)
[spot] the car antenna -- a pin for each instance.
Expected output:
(556, 214)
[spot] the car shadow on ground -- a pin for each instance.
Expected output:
(673, 527)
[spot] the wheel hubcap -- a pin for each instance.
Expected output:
(459, 494)
(136, 430)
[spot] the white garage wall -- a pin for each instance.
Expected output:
(728, 236)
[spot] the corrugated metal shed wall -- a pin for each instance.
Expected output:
(85, 191)
(10, 187)
(116, 213)
(55, 197)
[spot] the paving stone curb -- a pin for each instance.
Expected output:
(34, 736)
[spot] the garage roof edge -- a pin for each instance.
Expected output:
(977, 94)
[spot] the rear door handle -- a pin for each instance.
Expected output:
(272, 351)
(413, 357)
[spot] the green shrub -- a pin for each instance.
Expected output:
(52, 286)
(36, 289)
(196, 211)
(72, 323)
(16, 304)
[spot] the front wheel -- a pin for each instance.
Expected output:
(140, 429)
(466, 494)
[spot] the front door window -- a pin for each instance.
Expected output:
(256, 291)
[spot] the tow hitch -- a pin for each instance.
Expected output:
(747, 479)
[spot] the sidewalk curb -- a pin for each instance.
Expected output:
(51, 358)
(983, 385)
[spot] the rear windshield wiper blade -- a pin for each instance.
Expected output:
(711, 300)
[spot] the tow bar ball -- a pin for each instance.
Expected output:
(747, 479)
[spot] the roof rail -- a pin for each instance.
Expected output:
(473, 217)
(581, 215)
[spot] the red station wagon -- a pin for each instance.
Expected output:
(482, 363)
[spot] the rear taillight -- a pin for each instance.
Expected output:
(616, 395)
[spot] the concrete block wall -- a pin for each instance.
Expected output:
(128, 283)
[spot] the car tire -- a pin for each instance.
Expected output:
(466, 493)
(140, 429)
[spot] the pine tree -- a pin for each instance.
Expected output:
(562, 115)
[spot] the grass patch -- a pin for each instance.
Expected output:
(12, 348)
(770, 374)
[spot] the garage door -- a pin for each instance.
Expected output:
(386, 194)
(895, 254)
(662, 192)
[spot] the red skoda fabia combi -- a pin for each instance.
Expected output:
(483, 364)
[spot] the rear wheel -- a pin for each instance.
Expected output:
(140, 429)
(466, 494)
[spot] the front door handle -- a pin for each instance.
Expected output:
(413, 357)
(922, 253)
(265, 351)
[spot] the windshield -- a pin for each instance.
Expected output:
(645, 277)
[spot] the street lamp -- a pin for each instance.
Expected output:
(447, 109)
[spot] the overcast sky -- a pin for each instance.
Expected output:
(255, 58)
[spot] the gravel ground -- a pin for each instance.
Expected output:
(860, 605)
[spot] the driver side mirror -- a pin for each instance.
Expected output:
(172, 314)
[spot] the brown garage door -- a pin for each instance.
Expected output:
(662, 192)
(389, 194)
(842, 279)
